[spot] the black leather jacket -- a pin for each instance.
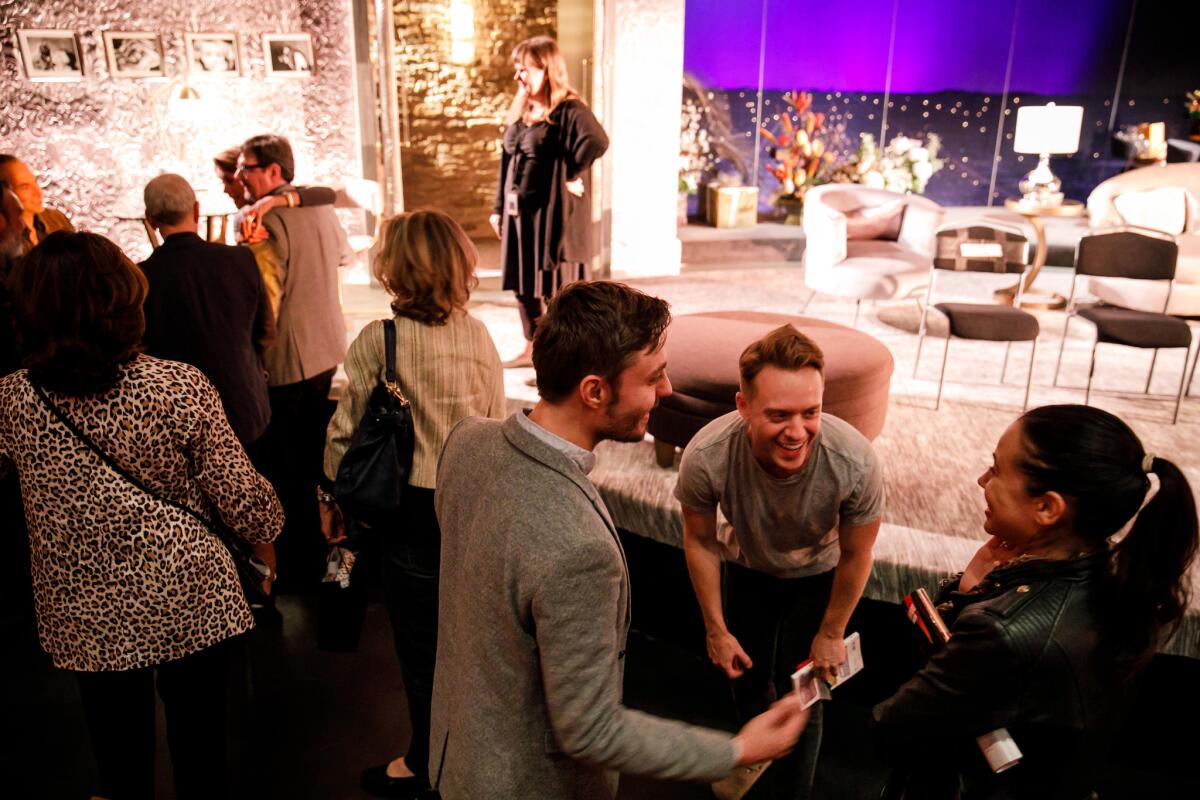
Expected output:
(1027, 654)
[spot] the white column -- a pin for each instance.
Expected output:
(645, 50)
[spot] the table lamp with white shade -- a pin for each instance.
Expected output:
(1046, 130)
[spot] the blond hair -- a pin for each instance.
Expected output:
(427, 265)
(785, 348)
(544, 53)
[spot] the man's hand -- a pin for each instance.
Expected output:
(252, 231)
(333, 527)
(727, 654)
(828, 654)
(772, 733)
(494, 221)
(575, 187)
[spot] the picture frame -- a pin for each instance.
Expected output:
(213, 55)
(50, 55)
(135, 54)
(289, 55)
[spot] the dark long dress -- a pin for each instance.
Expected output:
(549, 242)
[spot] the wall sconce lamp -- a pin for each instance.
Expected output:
(1044, 131)
(462, 32)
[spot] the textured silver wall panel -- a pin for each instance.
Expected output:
(95, 143)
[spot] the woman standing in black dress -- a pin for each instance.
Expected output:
(543, 212)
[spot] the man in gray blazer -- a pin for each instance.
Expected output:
(309, 246)
(534, 602)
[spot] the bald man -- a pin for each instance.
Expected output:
(40, 221)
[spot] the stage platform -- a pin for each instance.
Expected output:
(774, 243)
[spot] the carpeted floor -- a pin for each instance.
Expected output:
(931, 457)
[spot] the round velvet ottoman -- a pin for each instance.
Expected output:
(702, 362)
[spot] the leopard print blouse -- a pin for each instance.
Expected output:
(121, 580)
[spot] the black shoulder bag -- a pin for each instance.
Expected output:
(374, 471)
(248, 576)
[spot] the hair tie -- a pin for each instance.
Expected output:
(1148, 463)
(1151, 491)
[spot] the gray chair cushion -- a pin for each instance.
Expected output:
(989, 322)
(1137, 328)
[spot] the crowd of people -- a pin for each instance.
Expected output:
(190, 395)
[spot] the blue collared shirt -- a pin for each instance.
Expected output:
(584, 459)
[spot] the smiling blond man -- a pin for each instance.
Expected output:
(801, 495)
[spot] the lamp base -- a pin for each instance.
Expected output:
(1041, 187)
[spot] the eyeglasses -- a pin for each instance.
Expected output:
(248, 167)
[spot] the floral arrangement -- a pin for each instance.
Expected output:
(1193, 104)
(695, 149)
(905, 165)
(801, 151)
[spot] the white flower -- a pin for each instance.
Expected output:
(918, 154)
(922, 170)
(873, 180)
(900, 145)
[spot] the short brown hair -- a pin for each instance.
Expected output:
(226, 160)
(270, 148)
(427, 265)
(77, 300)
(785, 348)
(594, 328)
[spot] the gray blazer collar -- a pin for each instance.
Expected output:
(543, 453)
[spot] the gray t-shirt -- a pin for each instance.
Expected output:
(786, 527)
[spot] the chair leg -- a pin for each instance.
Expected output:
(1087, 394)
(1029, 376)
(1004, 364)
(920, 340)
(942, 374)
(857, 308)
(1183, 383)
(1153, 359)
(1062, 344)
(811, 295)
(1192, 376)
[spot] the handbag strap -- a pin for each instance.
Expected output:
(389, 361)
(117, 468)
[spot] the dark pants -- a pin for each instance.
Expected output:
(119, 708)
(293, 450)
(775, 620)
(411, 555)
(531, 309)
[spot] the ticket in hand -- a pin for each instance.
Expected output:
(809, 689)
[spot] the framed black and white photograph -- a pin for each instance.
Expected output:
(134, 54)
(50, 55)
(288, 55)
(213, 55)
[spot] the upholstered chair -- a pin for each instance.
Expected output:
(867, 244)
(1165, 199)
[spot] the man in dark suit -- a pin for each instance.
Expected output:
(206, 306)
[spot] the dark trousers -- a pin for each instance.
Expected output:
(411, 555)
(775, 620)
(119, 708)
(531, 310)
(293, 449)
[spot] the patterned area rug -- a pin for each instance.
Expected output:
(931, 458)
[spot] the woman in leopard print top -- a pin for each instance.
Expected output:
(126, 586)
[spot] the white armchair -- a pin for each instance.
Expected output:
(893, 263)
(1165, 199)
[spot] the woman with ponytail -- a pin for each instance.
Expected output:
(1084, 577)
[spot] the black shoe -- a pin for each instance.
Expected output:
(376, 781)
